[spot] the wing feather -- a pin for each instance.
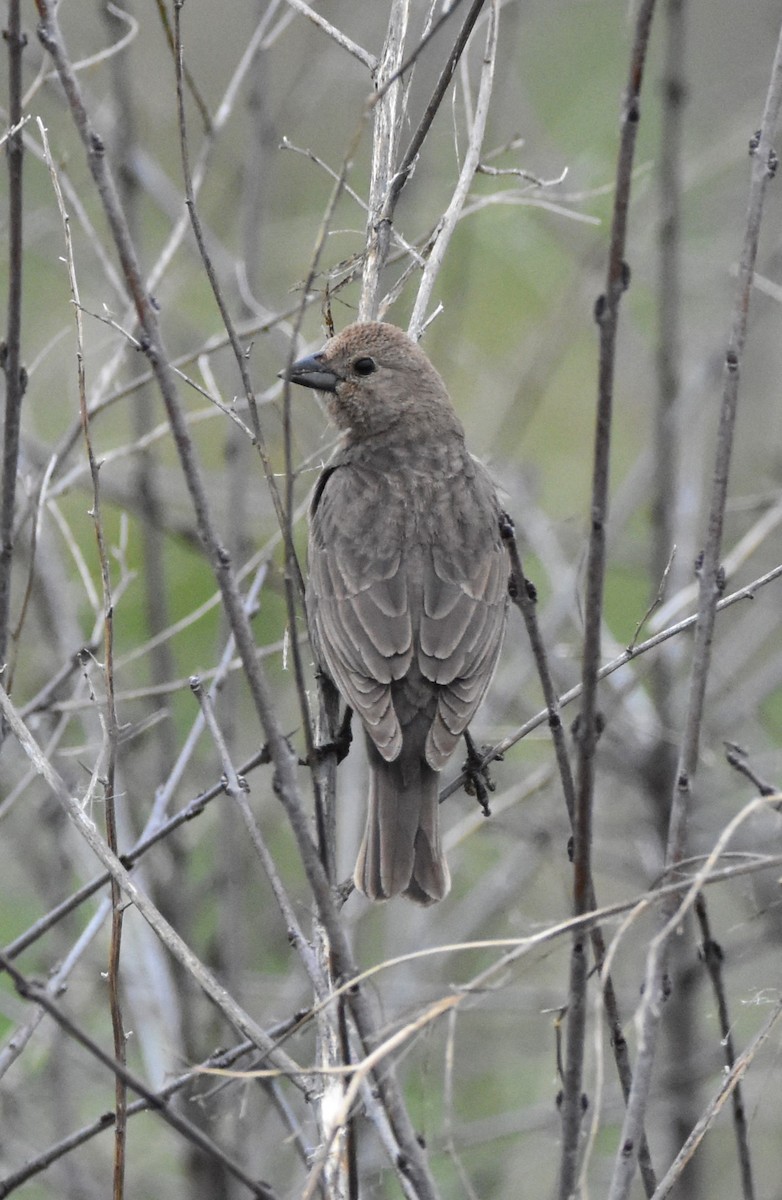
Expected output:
(463, 619)
(357, 604)
(431, 596)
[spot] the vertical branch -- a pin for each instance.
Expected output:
(711, 953)
(238, 351)
(669, 333)
(710, 587)
(110, 728)
(523, 595)
(405, 169)
(669, 181)
(388, 114)
(11, 352)
(711, 581)
(660, 763)
(607, 316)
(146, 472)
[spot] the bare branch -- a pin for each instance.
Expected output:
(336, 35)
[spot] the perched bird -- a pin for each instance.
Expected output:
(407, 588)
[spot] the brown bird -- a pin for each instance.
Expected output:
(407, 590)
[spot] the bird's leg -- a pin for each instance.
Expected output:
(339, 743)
(478, 781)
(344, 736)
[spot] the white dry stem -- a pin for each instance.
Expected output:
(472, 158)
(388, 119)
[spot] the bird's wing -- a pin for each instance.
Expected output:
(464, 606)
(357, 596)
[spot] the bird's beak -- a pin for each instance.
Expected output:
(312, 373)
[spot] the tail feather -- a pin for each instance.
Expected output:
(401, 849)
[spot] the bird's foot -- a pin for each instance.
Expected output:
(341, 742)
(478, 781)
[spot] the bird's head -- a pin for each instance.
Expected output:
(373, 377)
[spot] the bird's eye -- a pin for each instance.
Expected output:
(364, 366)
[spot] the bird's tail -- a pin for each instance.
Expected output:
(401, 850)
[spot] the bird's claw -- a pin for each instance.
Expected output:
(340, 743)
(478, 782)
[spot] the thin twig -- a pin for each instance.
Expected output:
(336, 35)
(711, 953)
(34, 992)
(170, 938)
(92, 60)
(192, 87)
(728, 1083)
(109, 759)
(416, 53)
(236, 788)
(41, 1162)
(737, 758)
(147, 476)
(745, 593)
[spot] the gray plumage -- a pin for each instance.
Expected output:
(407, 589)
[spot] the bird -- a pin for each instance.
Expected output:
(407, 588)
